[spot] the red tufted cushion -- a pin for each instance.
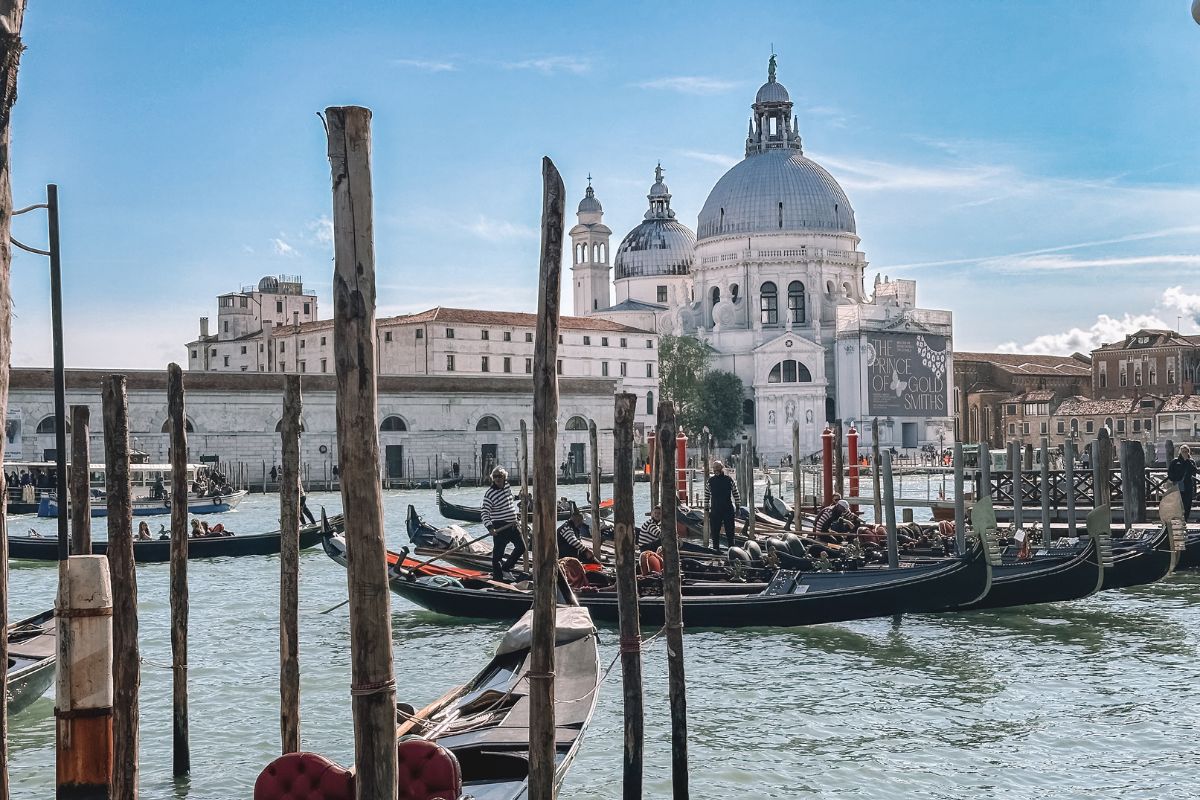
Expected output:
(427, 771)
(304, 776)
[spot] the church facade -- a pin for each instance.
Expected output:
(773, 280)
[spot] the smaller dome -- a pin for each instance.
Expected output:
(589, 204)
(772, 92)
(269, 284)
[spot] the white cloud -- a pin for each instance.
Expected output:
(720, 159)
(495, 230)
(862, 174)
(690, 84)
(321, 230)
(1184, 304)
(425, 65)
(282, 248)
(1085, 340)
(1043, 263)
(550, 65)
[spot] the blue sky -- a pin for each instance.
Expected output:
(1033, 165)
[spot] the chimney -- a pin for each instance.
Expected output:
(296, 319)
(204, 327)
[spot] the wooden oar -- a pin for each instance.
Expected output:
(462, 546)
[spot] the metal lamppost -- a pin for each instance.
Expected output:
(60, 381)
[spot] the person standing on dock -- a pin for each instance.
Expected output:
(1182, 470)
(500, 517)
(722, 498)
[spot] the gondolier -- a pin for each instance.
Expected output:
(500, 516)
(649, 536)
(571, 536)
(722, 498)
(837, 518)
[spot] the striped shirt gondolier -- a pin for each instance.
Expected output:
(499, 509)
(570, 545)
(649, 535)
(726, 491)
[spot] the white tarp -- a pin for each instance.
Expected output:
(574, 622)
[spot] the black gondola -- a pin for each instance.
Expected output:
(792, 599)
(33, 548)
(32, 649)
(1190, 557)
(1140, 561)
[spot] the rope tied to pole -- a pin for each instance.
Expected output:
(364, 689)
(631, 644)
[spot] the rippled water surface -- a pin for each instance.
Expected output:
(1098, 698)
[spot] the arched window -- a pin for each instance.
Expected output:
(733, 293)
(393, 424)
(789, 371)
(487, 423)
(279, 426)
(47, 425)
(747, 412)
(1074, 426)
(769, 304)
(715, 294)
(796, 302)
(595, 253)
(187, 425)
(577, 423)
(650, 403)
(1108, 423)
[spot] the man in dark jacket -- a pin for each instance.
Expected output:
(1182, 470)
(722, 498)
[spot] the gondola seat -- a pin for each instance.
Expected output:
(304, 776)
(425, 771)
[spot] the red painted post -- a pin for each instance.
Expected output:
(852, 455)
(681, 482)
(827, 466)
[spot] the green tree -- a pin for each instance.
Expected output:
(721, 395)
(682, 365)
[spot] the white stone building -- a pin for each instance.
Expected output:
(774, 283)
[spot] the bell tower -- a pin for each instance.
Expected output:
(590, 267)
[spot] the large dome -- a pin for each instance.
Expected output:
(777, 191)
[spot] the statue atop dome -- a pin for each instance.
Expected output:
(771, 69)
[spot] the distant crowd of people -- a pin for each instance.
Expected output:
(37, 477)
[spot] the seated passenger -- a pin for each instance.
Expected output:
(571, 537)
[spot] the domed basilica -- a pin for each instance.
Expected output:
(773, 281)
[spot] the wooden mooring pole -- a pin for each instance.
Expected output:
(1069, 478)
(627, 596)
(289, 567)
(80, 480)
(1133, 482)
(181, 760)
(889, 510)
(797, 489)
(876, 471)
(1044, 491)
(960, 501)
(673, 601)
(839, 460)
(545, 438)
(984, 487)
(1014, 467)
(752, 522)
(594, 452)
(1102, 458)
(525, 499)
(126, 655)
(705, 461)
(373, 685)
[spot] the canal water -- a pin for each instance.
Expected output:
(1098, 698)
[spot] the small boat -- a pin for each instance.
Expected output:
(473, 742)
(38, 548)
(146, 507)
(32, 649)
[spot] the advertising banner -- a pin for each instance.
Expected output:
(906, 374)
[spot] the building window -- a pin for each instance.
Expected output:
(227, 361)
(1103, 380)
(559, 366)
(649, 344)
(243, 349)
(577, 423)
(303, 364)
(260, 348)
(1045, 428)
(1137, 377)
(393, 424)
(194, 354)
(449, 333)
(387, 336)
(768, 304)
(1137, 426)
(449, 362)
(508, 336)
(483, 364)
(420, 333)
(323, 365)
(1062, 427)
(1124, 378)
(650, 403)
(1025, 428)
(226, 302)
(488, 423)
(1120, 426)
(307, 309)
(507, 364)
(226, 324)
(282, 348)
(243, 302)
(278, 306)
(624, 342)
(1148, 426)
(789, 372)
(623, 369)
(302, 344)
(796, 301)
(1011, 408)
(1012, 429)
(604, 369)
(283, 366)
(485, 335)
(529, 366)
(662, 294)
(604, 341)
(528, 337)
(587, 340)
(650, 370)
(1089, 426)
(322, 341)
(1170, 376)
(213, 352)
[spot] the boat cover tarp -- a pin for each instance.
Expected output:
(574, 622)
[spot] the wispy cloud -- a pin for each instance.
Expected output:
(282, 248)
(1044, 263)
(720, 159)
(320, 230)
(864, 174)
(690, 84)
(495, 230)
(835, 116)
(549, 65)
(425, 64)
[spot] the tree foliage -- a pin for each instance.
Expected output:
(721, 396)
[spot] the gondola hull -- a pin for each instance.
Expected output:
(1141, 562)
(1190, 557)
(1048, 579)
(32, 652)
(159, 550)
(815, 599)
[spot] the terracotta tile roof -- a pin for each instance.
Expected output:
(1025, 364)
(1158, 337)
(1041, 396)
(471, 316)
(1085, 406)
(1180, 402)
